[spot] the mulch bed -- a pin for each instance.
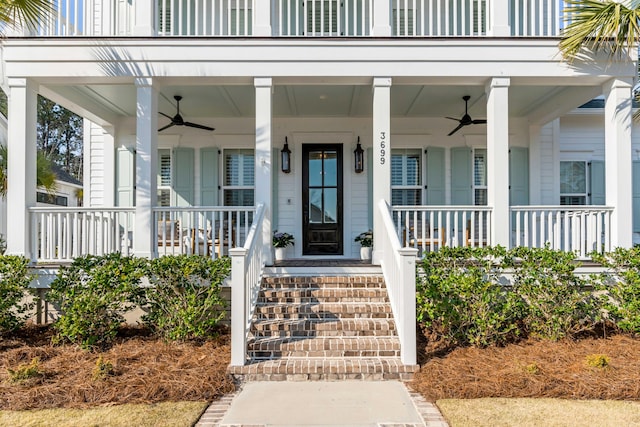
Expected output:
(532, 369)
(145, 370)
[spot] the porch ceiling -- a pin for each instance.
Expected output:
(309, 101)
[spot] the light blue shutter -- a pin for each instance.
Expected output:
(125, 176)
(275, 174)
(597, 182)
(369, 172)
(209, 175)
(435, 176)
(183, 176)
(461, 178)
(636, 196)
(519, 176)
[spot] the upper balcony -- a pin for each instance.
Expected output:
(305, 18)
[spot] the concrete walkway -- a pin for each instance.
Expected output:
(344, 403)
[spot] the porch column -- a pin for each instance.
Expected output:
(381, 157)
(381, 18)
(145, 18)
(262, 14)
(146, 161)
(498, 159)
(21, 164)
(499, 19)
(618, 171)
(262, 193)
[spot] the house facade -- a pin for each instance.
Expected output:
(433, 123)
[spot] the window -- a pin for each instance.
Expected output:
(241, 19)
(238, 180)
(164, 178)
(52, 199)
(406, 177)
(480, 177)
(573, 183)
(403, 22)
(322, 17)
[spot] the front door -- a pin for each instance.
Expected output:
(322, 199)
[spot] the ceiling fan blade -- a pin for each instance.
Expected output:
(456, 129)
(479, 121)
(452, 118)
(166, 127)
(167, 116)
(195, 125)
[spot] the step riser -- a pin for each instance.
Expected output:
(311, 326)
(314, 334)
(321, 316)
(268, 355)
(380, 376)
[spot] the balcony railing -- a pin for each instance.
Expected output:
(302, 18)
(62, 234)
(577, 229)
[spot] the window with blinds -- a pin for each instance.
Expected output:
(241, 22)
(403, 22)
(406, 177)
(164, 178)
(480, 177)
(322, 17)
(573, 183)
(239, 178)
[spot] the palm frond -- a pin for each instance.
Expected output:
(45, 176)
(28, 13)
(596, 25)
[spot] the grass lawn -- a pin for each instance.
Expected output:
(178, 414)
(522, 412)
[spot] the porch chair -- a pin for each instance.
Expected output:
(207, 241)
(424, 240)
(168, 233)
(475, 239)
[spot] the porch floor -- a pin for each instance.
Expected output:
(302, 262)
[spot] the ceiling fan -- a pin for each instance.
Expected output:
(177, 120)
(466, 120)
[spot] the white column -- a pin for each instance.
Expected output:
(145, 18)
(535, 186)
(262, 193)
(499, 19)
(262, 14)
(381, 157)
(618, 175)
(381, 18)
(21, 164)
(498, 159)
(146, 161)
(238, 306)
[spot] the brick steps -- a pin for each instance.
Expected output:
(305, 369)
(271, 348)
(323, 328)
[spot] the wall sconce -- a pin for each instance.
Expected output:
(285, 157)
(359, 158)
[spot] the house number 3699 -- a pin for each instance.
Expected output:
(383, 147)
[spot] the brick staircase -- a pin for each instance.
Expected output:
(323, 328)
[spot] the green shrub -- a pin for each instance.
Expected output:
(93, 294)
(184, 299)
(620, 288)
(14, 281)
(557, 302)
(459, 295)
(600, 361)
(24, 373)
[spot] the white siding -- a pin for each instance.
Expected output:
(95, 175)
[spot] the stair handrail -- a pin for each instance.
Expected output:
(247, 266)
(399, 270)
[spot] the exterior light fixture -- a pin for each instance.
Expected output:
(285, 157)
(359, 158)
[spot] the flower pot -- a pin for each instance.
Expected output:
(281, 253)
(365, 253)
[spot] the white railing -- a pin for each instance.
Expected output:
(87, 18)
(428, 228)
(537, 18)
(205, 17)
(577, 229)
(323, 17)
(247, 265)
(399, 270)
(211, 231)
(440, 18)
(62, 234)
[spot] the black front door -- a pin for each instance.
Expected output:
(322, 199)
